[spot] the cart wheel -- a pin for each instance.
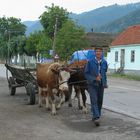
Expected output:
(12, 90)
(30, 89)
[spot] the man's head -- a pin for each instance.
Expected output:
(98, 53)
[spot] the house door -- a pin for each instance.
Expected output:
(122, 62)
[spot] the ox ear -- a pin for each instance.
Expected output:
(55, 71)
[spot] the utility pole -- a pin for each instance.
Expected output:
(54, 39)
(9, 40)
(8, 49)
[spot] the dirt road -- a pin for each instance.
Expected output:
(19, 121)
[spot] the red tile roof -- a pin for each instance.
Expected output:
(130, 36)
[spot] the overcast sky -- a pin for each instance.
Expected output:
(32, 9)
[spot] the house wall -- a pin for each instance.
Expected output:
(111, 59)
(129, 66)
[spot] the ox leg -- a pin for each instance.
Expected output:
(40, 97)
(64, 96)
(62, 100)
(70, 93)
(59, 105)
(77, 90)
(84, 98)
(52, 99)
(47, 103)
(53, 109)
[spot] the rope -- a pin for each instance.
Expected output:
(71, 83)
(78, 82)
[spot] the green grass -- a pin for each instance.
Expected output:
(125, 76)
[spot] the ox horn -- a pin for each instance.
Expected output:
(69, 69)
(62, 67)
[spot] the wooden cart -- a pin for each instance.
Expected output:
(22, 77)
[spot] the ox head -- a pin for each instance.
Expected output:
(62, 74)
(64, 77)
(55, 68)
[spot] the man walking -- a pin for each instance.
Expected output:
(95, 73)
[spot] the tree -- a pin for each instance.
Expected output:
(17, 46)
(3, 49)
(69, 39)
(44, 45)
(10, 28)
(48, 19)
(32, 42)
(38, 42)
(11, 25)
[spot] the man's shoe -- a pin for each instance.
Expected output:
(97, 122)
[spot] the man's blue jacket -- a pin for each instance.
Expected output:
(92, 71)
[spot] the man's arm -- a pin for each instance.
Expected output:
(106, 68)
(88, 74)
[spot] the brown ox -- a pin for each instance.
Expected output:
(78, 81)
(52, 84)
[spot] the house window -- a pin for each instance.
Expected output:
(133, 56)
(116, 56)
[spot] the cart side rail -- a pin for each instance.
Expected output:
(21, 73)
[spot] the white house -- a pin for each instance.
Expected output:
(124, 52)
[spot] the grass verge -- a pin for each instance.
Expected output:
(126, 76)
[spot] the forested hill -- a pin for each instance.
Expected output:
(122, 23)
(104, 15)
(97, 19)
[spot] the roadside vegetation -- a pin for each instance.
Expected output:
(60, 33)
(126, 76)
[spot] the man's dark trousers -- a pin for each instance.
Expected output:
(96, 97)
